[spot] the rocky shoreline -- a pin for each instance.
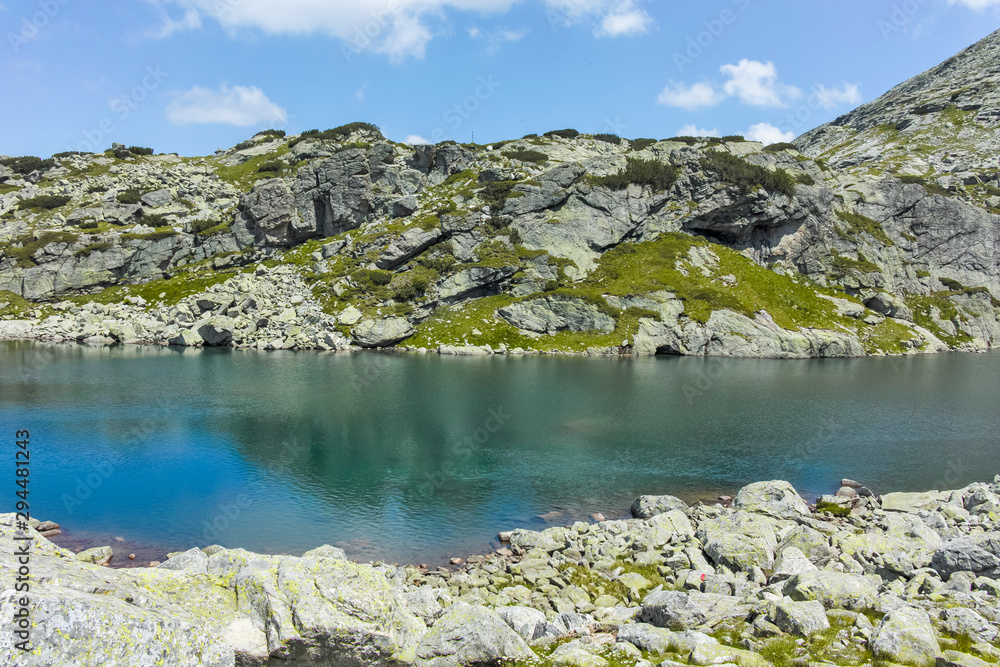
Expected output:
(904, 578)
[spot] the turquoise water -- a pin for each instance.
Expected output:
(414, 458)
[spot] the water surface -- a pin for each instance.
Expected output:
(415, 458)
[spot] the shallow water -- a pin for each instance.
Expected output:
(413, 458)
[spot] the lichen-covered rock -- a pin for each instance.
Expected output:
(739, 540)
(381, 333)
(803, 619)
(906, 636)
(836, 590)
(778, 499)
(469, 635)
(525, 621)
(646, 507)
(673, 610)
(977, 553)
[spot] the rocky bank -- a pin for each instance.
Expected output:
(875, 234)
(905, 578)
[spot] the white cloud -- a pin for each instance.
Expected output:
(415, 140)
(976, 5)
(240, 105)
(360, 93)
(767, 134)
(397, 28)
(756, 83)
(831, 97)
(626, 20)
(496, 38)
(191, 21)
(690, 97)
(692, 130)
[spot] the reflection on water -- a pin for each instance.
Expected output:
(414, 458)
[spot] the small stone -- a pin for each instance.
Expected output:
(850, 483)
(847, 492)
(598, 517)
(154, 563)
(456, 561)
(131, 556)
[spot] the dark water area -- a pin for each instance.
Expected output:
(416, 458)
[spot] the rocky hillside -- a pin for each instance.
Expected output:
(906, 579)
(555, 243)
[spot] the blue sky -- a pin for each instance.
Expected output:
(190, 76)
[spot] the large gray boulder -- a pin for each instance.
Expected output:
(525, 621)
(552, 314)
(381, 333)
(157, 198)
(671, 609)
(803, 619)
(776, 498)
(469, 635)
(906, 636)
(977, 553)
(836, 590)
(739, 540)
(646, 507)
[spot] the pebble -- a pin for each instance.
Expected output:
(131, 556)
(598, 517)
(456, 561)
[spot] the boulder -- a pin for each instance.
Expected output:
(739, 540)
(381, 333)
(645, 507)
(959, 659)
(97, 555)
(157, 198)
(977, 553)
(552, 314)
(776, 498)
(911, 502)
(194, 561)
(836, 590)
(525, 621)
(470, 635)
(906, 636)
(326, 551)
(790, 562)
(671, 609)
(802, 619)
(217, 332)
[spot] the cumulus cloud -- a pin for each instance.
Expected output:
(240, 105)
(691, 97)
(397, 28)
(496, 38)
(190, 21)
(415, 140)
(976, 5)
(756, 83)
(767, 134)
(849, 93)
(626, 20)
(692, 130)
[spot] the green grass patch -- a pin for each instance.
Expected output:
(858, 224)
(641, 144)
(29, 245)
(781, 146)
(97, 246)
(834, 509)
(243, 176)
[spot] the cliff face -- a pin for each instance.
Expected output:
(880, 236)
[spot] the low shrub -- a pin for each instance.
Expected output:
(27, 164)
(277, 134)
(198, 226)
(530, 136)
(932, 187)
(834, 508)
(66, 154)
(30, 245)
(93, 189)
(154, 220)
(608, 138)
(271, 166)
(690, 141)
(152, 236)
(97, 246)
(121, 153)
(780, 146)
(336, 134)
(527, 155)
(243, 145)
(748, 176)
(46, 202)
(565, 134)
(221, 228)
(140, 150)
(131, 196)
(372, 278)
(641, 144)
(89, 224)
(656, 174)
(805, 179)
(736, 138)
